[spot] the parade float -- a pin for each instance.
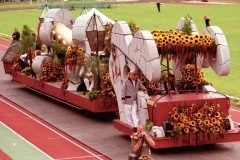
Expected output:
(181, 109)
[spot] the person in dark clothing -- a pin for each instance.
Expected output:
(16, 35)
(207, 21)
(158, 6)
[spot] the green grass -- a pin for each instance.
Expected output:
(17, 147)
(147, 18)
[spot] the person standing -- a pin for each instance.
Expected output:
(158, 6)
(129, 98)
(141, 143)
(16, 35)
(207, 21)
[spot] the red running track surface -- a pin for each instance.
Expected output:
(4, 156)
(47, 138)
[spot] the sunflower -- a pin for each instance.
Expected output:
(216, 129)
(176, 116)
(192, 123)
(199, 115)
(211, 109)
(217, 114)
(186, 130)
(214, 120)
(180, 125)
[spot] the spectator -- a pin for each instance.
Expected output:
(158, 6)
(16, 35)
(129, 98)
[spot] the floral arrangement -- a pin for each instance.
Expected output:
(144, 157)
(106, 86)
(176, 42)
(52, 72)
(197, 123)
(74, 56)
(150, 86)
(107, 39)
(192, 77)
(18, 64)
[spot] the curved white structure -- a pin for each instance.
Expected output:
(131, 52)
(221, 62)
(54, 15)
(38, 62)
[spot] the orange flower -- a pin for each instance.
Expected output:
(186, 130)
(192, 123)
(176, 116)
(213, 120)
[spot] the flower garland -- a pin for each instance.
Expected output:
(108, 33)
(106, 86)
(52, 72)
(176, 42)
(197, 123)
(192, 77)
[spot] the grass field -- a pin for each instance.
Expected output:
(145, 15)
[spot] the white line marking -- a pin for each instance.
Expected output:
(26, 140)
(4, 46)
(234, 110)
(52, 130)
(75, 157)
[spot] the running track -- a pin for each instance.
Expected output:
(51, 141)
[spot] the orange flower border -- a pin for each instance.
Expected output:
(197, 123)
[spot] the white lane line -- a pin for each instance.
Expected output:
(235, 110)
(26, 140)
(52, 130)
(83, 157)
(3, 46)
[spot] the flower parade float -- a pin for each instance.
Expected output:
(56, 73)
(181, 109)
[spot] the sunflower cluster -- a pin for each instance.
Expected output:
(74, 55)
(18, 64)
(144, 157)
(108, 32)
(106, 86)
(192, 77)
(150, 86)
(52, 72)
(199, 122)
(176, 42)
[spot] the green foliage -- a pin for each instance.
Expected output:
(59, 50)
(27, 40)
(148, 125)
(27, 71)
(187, 29)
(133, 27)
(92, 95)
